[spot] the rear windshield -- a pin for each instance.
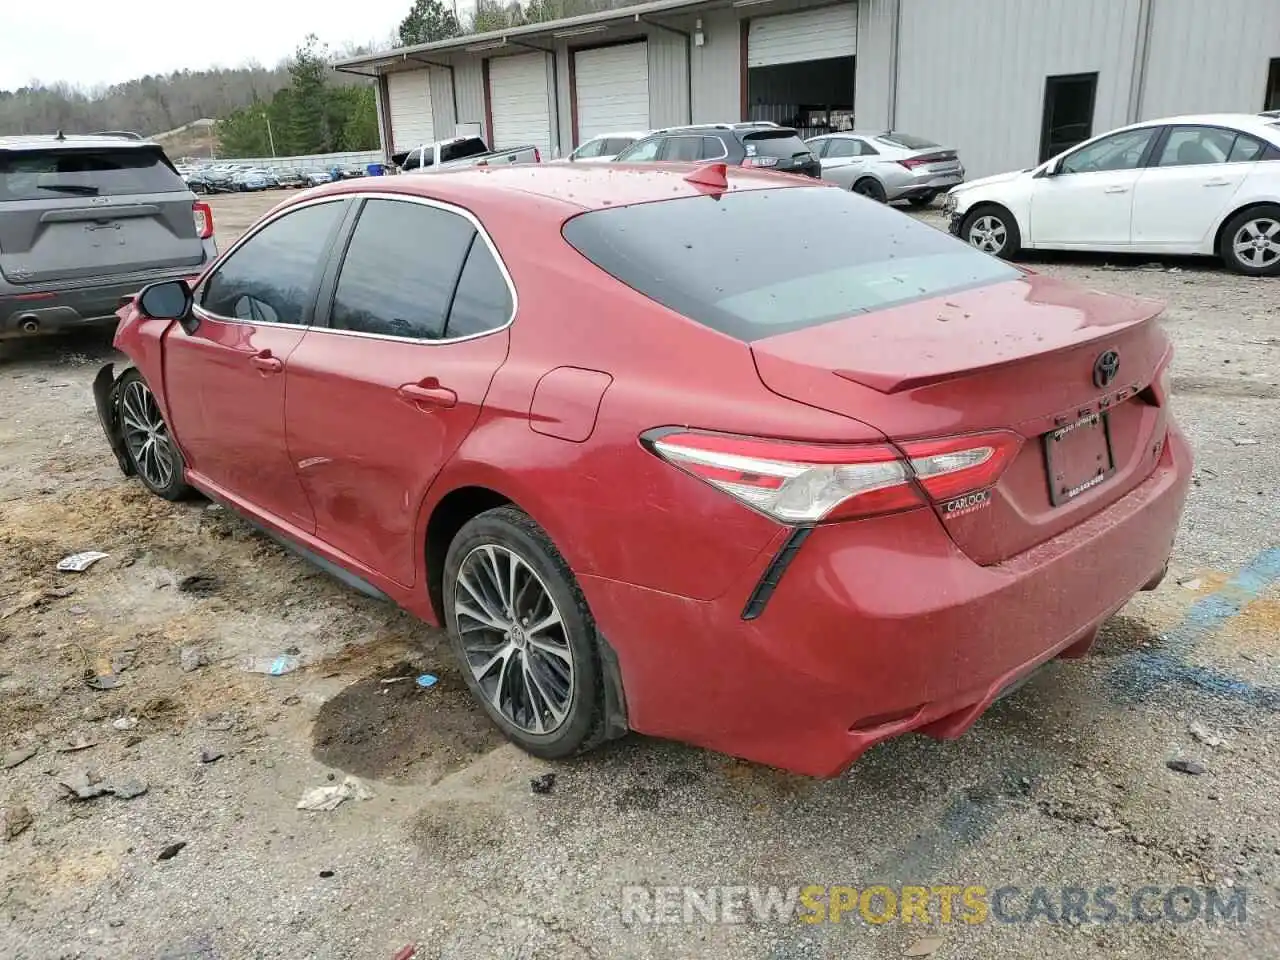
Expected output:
(906, 141)
(762, 262)
(783, 144)
(471, 147)
(52, 174)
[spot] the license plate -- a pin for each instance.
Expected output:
(1078, 457)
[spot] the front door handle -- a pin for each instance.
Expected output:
(428, 394)
(1116, 190)
(265, 362)
(1217, 183)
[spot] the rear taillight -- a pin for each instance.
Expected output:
(807, 483)
(537, 155)
(760, 162)
(912, 162)
(202, 213)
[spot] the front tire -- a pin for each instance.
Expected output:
(147, 441)
(523, 634)
(870, 188)
(992, 229)
(922, 201)
(1251, 242)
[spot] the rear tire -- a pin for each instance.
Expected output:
(992, 229)
(523, 635)
(1250, 242)
(922, 201)
(870, 188)
(147, 441)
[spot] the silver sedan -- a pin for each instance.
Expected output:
(888, 166)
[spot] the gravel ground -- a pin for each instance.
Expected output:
(1063, 784)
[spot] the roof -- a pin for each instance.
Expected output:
(497, 39)
(1244, 121)
(575, 187)
(45, 141)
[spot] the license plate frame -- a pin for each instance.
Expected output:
(1092, 425)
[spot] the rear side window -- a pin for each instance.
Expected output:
(682, 149)
(483, 299)
(398, 289)
(756, 263)
(614, 146)
(58, 174)
(783, 144)
(1246, 150)
(906, 141)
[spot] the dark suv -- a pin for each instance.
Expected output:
(86, 222)
(740, 144)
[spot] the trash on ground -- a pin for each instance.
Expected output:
(76, 745)
(407, 952)
(1192, 584)
(200, 584)
(80, 562)
(15, 757)
(83, 785)
(124, 723)
(171, 851)
(273, 666)
(1244, 441)
(1190, 767)
(395, 679)
(128, 789)
(101, 681)
(14, 821)
(1210, 738)
(924, 947)
(326, 874)
(328, 798)
(210, 755)
(427, 680)
(191, 659)
(543, 784)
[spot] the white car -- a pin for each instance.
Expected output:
(1183, 185)
(605, 146)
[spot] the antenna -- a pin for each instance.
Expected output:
(712, 175)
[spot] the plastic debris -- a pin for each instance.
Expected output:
(427, 680)
(80, 562)
(329, 798)
(124, 723)
(14, 821)
(407, 952)
(1189, 767)
(1209, 738)
(273, 666)
(390, 680)
(1244, 441)
(1192, 584)
(171, 851)
(924, 947)
(543, 784)
(15, 757)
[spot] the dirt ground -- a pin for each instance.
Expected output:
(1063, 784)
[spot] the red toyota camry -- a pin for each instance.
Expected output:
(717, 455)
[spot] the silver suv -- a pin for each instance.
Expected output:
(85, 223)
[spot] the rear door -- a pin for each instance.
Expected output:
(76, 213)
(842, 160)
(412, 329)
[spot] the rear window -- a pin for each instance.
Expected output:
(55, 174)
(471, 147)
(906, 141)
(763, 262)
(783, 144)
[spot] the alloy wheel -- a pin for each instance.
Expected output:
(988, 234)
(1257, 243)
(514, 639)
(146, 435)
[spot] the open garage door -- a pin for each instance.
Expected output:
(519, 102)
(800, 68)
(410, 110)
(611, 85)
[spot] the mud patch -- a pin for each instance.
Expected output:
(1122, 635)
(400, 731)
(456, 830)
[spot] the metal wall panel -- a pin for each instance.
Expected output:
(1209, 57)
(872, 89)
(971, 73)
(668, 78)
(442, 115)
(468, 78)
(717, 69)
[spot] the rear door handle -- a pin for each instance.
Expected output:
(1217, 183)
(1116, 190)
(428, 394)
(265, 362)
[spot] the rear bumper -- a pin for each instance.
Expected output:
(33, 310)
(927, 186)
(878, 628)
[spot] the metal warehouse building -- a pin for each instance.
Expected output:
(1007, 82)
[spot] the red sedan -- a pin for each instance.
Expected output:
(723, 456)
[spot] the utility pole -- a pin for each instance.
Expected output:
(270, 139)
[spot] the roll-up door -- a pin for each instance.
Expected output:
(612, 89)
(410, 96)
(796, 37)
(519, 102)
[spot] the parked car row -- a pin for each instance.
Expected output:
(237, 178)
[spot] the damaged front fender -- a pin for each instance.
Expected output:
(105, 389)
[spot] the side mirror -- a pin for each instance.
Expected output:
(167, 300)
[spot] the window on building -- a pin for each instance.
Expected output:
(1068, 112)
(1273, 86)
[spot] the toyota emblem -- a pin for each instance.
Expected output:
(1105, 368)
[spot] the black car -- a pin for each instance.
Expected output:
(765, 145)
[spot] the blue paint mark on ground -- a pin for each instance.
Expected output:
(1148, 672)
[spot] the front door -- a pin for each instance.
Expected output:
(1088, 200)
(1190, 184)
(391, 380)
(225, 381)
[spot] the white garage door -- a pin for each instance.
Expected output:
(613, 89)
(518, 99)
(410, 95)
(796, 37)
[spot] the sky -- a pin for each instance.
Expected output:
(91, 42)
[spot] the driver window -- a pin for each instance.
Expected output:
(642, 151)
(1120, 151)
(271, 276)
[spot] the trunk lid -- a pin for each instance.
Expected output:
(1020, 355)
(74, 213)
